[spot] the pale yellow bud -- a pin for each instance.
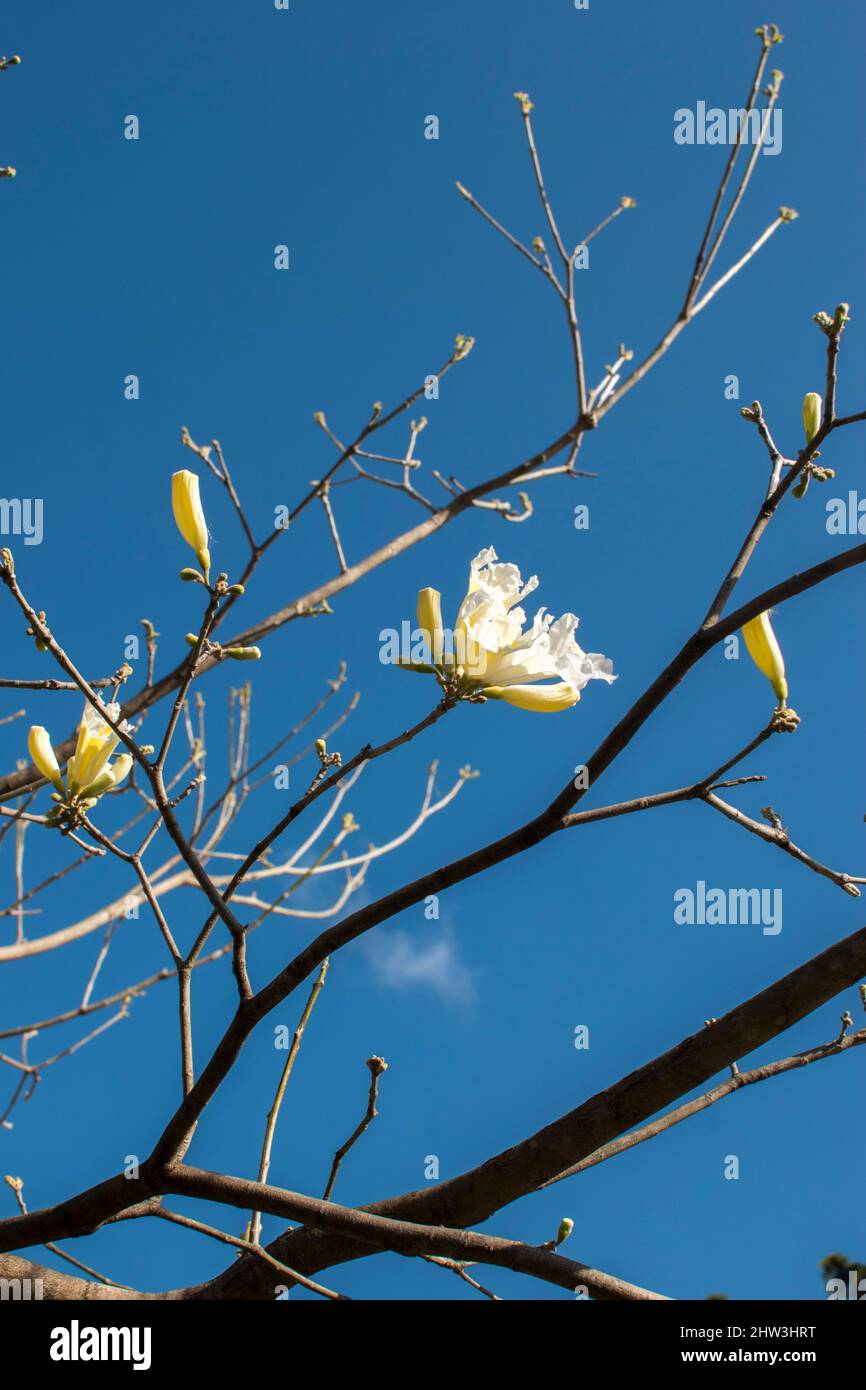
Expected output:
(121, 768)
(43, 755)
(110, 778)
(187, 508)
(430, 620)
(813, 408)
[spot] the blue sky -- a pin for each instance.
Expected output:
(155, 257)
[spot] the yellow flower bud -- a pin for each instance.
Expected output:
(430, 620)
(121, 768)
(186, 505)
(108, 779)
(764, 650)
(43, 755)
(812, 410)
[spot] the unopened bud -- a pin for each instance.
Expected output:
(765, 652)
(566, 1226)
(462, 346)
(813, 408)
(243, 653)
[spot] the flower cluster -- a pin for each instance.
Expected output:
(489, 655)
(89, 772)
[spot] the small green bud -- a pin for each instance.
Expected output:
(235, 589)
(566, 1226)
(190, 639)
(191, 576)
(243, 653)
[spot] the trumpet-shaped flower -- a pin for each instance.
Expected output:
(765, 652)
(95, 744)
(188, 513)
(43, 755)
(493, 655)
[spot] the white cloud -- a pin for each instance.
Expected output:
(400, 959)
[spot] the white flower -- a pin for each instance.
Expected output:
(96, 743)
(499, 658)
